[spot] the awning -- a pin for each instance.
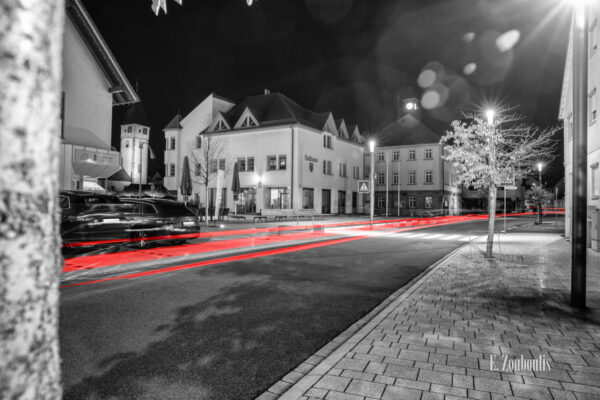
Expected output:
(120, 175)
(95, 163)
(91, 186)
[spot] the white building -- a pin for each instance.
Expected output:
(410, 172)
(92, 84)
(593, 126)
(135, 136)
(288, 157)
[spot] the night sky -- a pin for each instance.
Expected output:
(352, 57)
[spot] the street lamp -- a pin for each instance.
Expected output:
(540, 166)
(490, 116)
(372, 178)
(579, 156)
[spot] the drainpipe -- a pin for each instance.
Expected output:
(292, 171)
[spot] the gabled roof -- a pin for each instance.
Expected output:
(406, 131)
(121, 88)
(174, 123)
(273, 109)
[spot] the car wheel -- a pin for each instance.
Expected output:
(141, 239)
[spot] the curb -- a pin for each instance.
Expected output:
(293, 385)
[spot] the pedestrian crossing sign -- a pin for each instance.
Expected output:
(363, 187)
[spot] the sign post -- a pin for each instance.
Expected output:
(364, 186)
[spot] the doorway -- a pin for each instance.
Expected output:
(326, 202)
(341, 202)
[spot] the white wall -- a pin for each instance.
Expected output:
(88, 104)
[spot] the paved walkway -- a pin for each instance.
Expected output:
(435, 339)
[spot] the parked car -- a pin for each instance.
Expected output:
(135, 221)
(73, 202)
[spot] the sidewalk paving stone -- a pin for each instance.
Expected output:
(434, 338)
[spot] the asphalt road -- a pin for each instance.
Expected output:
(229, 331)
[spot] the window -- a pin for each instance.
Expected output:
(327, 167)
(595, 181)
(412, 202)
(241, 164)
(213, 166)
(248, 122)
(220, 126)
(429, 177)
(327, 141)
(593, 37)
(172, 142)
(592, 107)
(271, 163)
(198, 169)
(380, 202)
(277, 198)
(412, 154)
(356, 172)
(129, 129)
(172, 170)
(145, 131)
(282, 162)
(412, 177)
(428, 202)
(342, 170)
(250, 166)
(308, 198)
(381, 179)
(222, 164)
(395, 179)
(428, 155)
(381, 156)
(198, 142)
(396, 155)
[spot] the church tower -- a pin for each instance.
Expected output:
(135, 136)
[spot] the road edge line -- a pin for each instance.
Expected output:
(329, 355)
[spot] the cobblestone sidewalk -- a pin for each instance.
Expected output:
(435, 340)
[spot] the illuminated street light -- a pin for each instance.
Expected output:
(490, 114)
(411, 105)
(540, 166)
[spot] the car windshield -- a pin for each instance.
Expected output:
(104, 208)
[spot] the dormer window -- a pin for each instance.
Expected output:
(327, 141)
(248, 122)
(220, 126)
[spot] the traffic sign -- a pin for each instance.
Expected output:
(364, 187)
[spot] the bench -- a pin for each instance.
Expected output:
(238, 217)
(260, 218)
(286, 213)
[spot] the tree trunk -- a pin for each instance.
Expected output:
(491, 221)
(206, 211)
(539, 213)
(30, 259)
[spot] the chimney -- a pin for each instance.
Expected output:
(267, 91)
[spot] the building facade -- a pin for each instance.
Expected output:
(92, 84)
(288, 157)
(135, 146)
(411, 176)
(593, 125)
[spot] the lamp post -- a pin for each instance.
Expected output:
(579, 157)
(140, 169)
(372, 179)
(540, 166)
(490, 115)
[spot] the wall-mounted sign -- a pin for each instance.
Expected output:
(311, 159)
(363, 186)
(95, 157)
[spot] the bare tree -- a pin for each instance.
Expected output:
(30, 260)
(488, 155)
(538, 195)
(205, 162)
